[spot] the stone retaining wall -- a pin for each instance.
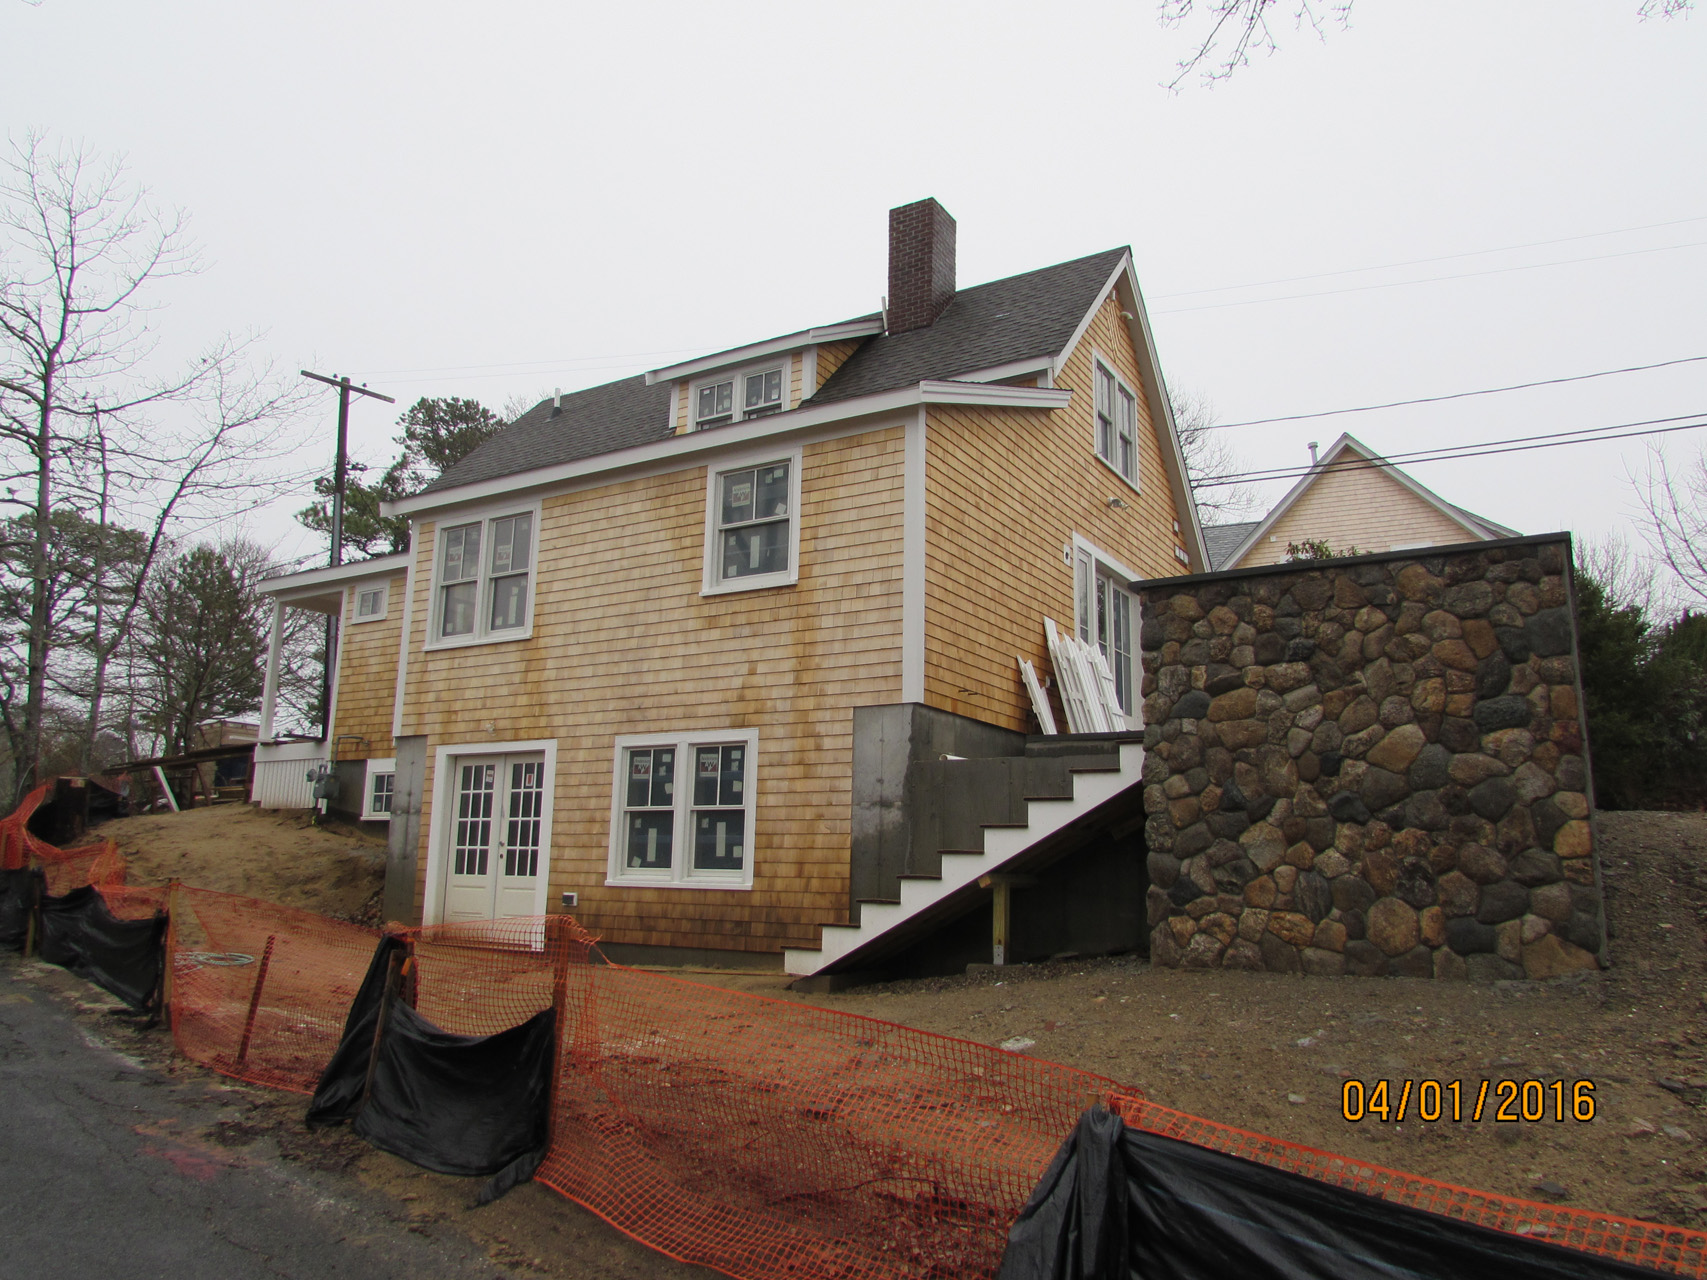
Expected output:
(1373, 765)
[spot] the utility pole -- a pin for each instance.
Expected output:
(340, 470)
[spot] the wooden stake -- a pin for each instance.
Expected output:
(255, 999)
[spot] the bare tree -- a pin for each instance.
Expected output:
(1208, 455)
(88, 422)
(1675, 519)
(1239, 27)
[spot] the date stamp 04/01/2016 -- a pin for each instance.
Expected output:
(1504, 1101)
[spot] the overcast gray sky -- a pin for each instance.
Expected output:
(491, 200)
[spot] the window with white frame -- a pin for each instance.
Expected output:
(380, 785)
(682, 811)
(751, 539)
(1104, 610)
(1117, 423)
(752, 393)
(371, 602)
(484, 578)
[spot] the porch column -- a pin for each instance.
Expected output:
(270, 690)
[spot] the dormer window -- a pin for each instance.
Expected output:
(745, 395)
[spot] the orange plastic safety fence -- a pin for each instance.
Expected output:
(1647, 1244)
(260, 991)
(14, 851)
(763, 1138)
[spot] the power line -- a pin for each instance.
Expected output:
(1418, 262)
(1461, 395)
(1452, 453)
(1398, 284)
(555, 361)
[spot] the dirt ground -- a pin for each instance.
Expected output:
(1260, 1051)
(1271, 1052)
(337, 870)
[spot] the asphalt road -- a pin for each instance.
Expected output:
(106, 1169)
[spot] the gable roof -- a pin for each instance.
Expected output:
(1476, 526)
(1031, 315)
(986, 326)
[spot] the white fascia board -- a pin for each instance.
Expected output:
(954, 391)
(776, 426)
(1162, 411)
(1015, 369)
(335, 575)
(1161, 407)
(759, 350)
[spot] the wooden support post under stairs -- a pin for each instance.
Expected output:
(1001, 887)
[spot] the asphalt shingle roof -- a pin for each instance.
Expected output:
(985, 326)
(1220, 541)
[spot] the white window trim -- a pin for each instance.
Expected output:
(482, 614)
(387, 765)
(1098, 360)
(443, 819)
(711, 582)
(783, 362)
(681, 875)
(1112, 568)
(356, 593)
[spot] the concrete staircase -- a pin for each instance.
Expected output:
(1032, 800)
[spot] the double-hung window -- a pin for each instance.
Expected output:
(752, 394)
(484, 578)
(1104, 611)
(683, 810)
(752, 539)
(1117, 423)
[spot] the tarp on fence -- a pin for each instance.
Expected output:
(16, 895)
(1121, 1204)
(457, 1104)
(79, 932)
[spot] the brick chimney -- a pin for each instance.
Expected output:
(921, 264)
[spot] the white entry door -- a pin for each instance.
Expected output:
(494, 865)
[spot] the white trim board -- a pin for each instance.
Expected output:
(914, 453)
(695, 445)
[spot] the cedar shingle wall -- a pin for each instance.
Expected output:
(1005, 491)
(1367, 509)
(367, 676)
(623, 643)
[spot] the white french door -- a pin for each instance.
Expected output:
(495, 863)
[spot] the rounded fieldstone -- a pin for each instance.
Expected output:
(1501, 901)
(1549, 632)
(1458, 894)
(1535, 867)
(1468, 936)
(1357, 717)
(1321, 963)
(1381, 789)
(1551, 902)
(1548, 818)
(1311, 896)
(1243, 955)
(1292, 927)
(1493, 674)
(1352, 893)
(1393, 926)
(1363, 959)
(1493, 798)
(1468, 599)
(1470, 768)
(1396, 751)
(1194, 706)
(1418, 962)
(1458, 733)
(1415, 886)
(1279, 956)
(1426, 811)
(1482, 864)
(1240, 704)
(1163, 868)
(1582, 929)
(1192, 841)
(1202, 952)
(1431, 769)
(1508, 712)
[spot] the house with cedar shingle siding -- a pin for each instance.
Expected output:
(623, 667)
